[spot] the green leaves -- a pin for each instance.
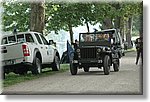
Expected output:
(16, 14)
(61, 15)
(58, 16)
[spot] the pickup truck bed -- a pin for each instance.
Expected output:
(28, 48)
(12, 57)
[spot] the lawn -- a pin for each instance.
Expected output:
(12, 78)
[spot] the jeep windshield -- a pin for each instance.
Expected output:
(97, 39)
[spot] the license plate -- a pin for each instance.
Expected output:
(9, 62)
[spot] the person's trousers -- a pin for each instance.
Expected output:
(138, 56)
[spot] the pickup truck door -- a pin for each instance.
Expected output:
(43, 49)
(48, 49)
(51, 52)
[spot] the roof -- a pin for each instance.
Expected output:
(106, 30)
(100, 31)
(5, 34)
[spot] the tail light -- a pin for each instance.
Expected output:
(25, 50)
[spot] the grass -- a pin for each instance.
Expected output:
(12, 78)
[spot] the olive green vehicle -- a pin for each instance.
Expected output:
(101, 49)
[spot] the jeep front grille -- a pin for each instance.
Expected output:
(88, 53)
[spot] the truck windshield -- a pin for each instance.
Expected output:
(100, 37)
(4, 41)
(20, 38)
(11, 39)
(29, 38)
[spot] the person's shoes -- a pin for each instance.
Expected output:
(136, 63)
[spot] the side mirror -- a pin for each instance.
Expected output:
(54, 44)
(51, 42)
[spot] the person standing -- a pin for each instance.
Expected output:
(76, 44)
(139, 49)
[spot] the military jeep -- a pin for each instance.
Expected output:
(101, 49)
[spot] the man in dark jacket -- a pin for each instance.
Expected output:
(139, 49)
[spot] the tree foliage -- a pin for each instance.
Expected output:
(16, 15)
(67, 15)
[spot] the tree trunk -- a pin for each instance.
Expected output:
(122, 28)
(123, 32)
(37, 19)
(107, 23)
(71, 32)
(141, 27)
(117, 22)
(129, 31)
(87, 25)
(141, 20)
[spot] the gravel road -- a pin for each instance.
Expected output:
(127, 81)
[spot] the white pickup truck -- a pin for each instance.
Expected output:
(28, 51)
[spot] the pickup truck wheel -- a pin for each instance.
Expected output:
(3, 77)
(3, 73)
(56, 64)
(106, 65)
(73, 69)
(37, 68)
(116, 65)
(22, 71)
(86, 69)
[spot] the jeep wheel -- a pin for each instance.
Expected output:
(106, 65)
(56, 64)
(116, 65)
(73, 69)
(37, 68)
(86, 69)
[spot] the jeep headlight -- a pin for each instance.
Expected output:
(98, 50)
(78, 50)
(107, 49)
(79, 56)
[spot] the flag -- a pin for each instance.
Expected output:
(70, 51)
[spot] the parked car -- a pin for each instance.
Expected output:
(100, 49)
(28, 51)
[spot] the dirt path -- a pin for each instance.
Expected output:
(126, 81)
